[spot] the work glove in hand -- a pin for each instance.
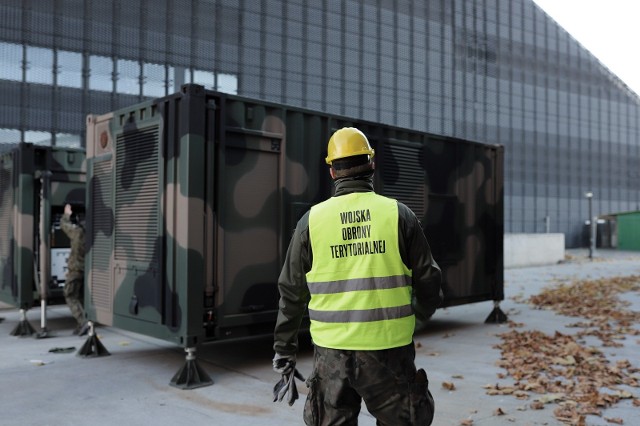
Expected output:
(283, 364)
(286, 366)
(287, 387)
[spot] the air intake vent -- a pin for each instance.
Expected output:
(137, 195)
(404, 177)
(6, 211)
(101, 213)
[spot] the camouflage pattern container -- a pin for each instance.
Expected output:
(27, 172)
(193, 199)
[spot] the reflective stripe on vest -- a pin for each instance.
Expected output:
(360, 288)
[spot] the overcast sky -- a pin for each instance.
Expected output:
(609, 29)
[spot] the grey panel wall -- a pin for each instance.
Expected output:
(490, 70)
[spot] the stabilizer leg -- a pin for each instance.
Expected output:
(92, 347)
(44, 333)
(44, 330)
(191, 375)
(23, 328)
(496, 316)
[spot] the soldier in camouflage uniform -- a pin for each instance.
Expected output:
(74, 280)
(362, 265)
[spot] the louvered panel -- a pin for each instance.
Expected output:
(6, 207)
(137, 195)
(101, 288)
(409, 185)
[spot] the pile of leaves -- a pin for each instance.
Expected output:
(598, 302)
(559, 369)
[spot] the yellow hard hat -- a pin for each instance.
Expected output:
(347, 142)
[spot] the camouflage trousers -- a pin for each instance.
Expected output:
(393, 391)
(73, 295)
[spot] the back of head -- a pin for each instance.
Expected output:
(349, 153)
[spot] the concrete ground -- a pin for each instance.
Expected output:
(131, 386)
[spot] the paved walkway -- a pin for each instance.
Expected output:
(130, 387)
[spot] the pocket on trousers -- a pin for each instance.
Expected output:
(422, 405)
(311, 406)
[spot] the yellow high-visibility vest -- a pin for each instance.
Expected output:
(360, 288)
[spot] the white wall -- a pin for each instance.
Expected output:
(532, 249)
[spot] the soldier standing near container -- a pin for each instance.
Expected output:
(74, 280)
(363, 266)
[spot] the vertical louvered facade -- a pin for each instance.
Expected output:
(493, 71)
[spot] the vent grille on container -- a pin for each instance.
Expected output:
(137, 195)
(407, 185)
(101, 291)
(6, 209)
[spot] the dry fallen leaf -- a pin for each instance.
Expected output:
(466, 422)
(499, 412)
(537, 405)
(449, 386)
(615, 420)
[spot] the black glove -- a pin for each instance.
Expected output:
(286, 366)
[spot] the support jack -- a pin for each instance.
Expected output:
(44, 330)
(23, 328)
(44, 333)
(191, 375)
(92, 347)
(496, 316)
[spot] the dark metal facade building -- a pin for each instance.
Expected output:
(493, 71)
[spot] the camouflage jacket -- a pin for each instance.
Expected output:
(292, 284)
(75, 264)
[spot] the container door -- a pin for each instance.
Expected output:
(249, 210)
